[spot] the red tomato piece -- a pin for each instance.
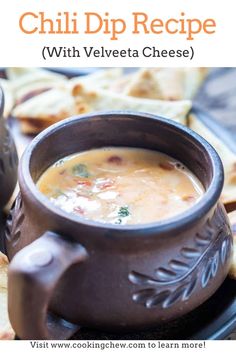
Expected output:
(115, 159)
(166, 166)
(106, 184)
(84, 183)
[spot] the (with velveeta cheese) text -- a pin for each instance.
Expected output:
(102, 52)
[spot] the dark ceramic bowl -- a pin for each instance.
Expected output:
(70, 272)
(8, 159)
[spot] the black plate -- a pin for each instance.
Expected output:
(215, 127)
(215, 319)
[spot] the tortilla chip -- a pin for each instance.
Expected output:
(88, 100)
(232, 218)
(227, 156)
(8, 97)
(169, 84)
(45, 109)
(6, 331)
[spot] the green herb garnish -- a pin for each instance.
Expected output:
(123, 212)
(80, 170)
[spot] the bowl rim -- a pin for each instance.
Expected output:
(179, 221)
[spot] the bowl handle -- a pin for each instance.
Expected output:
(33, 275)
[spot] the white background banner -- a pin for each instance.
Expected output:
(124, 347)
(129, 33)
(171, 33)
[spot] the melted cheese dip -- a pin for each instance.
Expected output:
(121, 185)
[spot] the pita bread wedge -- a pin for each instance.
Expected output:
(120, 85)
(99, 79)
(143, 84)
(180, 83)
(227, 156)
(6, 331)
(27, 83)
(161, 83)
(8, 97)
(232, 219)
(44, 109)
(194, 78)
(14, 73)
(99, 100)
